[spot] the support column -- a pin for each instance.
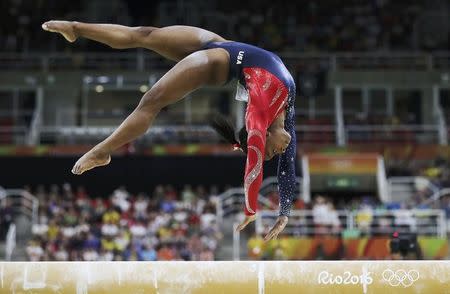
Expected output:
(339, 119)
(365, 101)
(440, 119)
(389, 101)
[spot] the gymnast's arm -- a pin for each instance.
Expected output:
(286, 179)
(256, 124)
(286, 168)
(256, 141)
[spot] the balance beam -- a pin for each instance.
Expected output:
(226, 277)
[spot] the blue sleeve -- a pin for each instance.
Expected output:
(286, 167)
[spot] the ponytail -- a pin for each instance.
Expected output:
(224, 127)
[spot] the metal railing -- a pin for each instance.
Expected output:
(326, 134)
(428, 222)
(81, 61)
(156, 134)
(15, 125)
(232, 201)
(392, 133)
(404, 188)
(436, 196)
(372, 60)
(21, 202)
(142, 61)
(10, 135)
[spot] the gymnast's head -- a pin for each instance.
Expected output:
(277, 138)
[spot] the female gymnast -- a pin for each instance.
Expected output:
(205, 58)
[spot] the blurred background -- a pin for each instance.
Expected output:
(372, 113)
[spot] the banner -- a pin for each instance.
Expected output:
(337, 164)
(332, 248)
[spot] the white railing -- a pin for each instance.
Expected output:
(21, 201)
(141, 61)
(10, 242)
(232, 201)
(270, 184)
(429, 222)
(436, 196)
(402, 188)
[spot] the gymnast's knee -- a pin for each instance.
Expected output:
(153, 100)
(142, 33)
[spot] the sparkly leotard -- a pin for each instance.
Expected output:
(268, 88)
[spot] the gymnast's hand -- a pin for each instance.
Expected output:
(277, 228)
(248, 219)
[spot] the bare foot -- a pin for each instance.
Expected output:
(65, 28)
(248, 219)
(90, 160)
(277, 228)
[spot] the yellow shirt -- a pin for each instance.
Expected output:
(108, 245)
(112, 217)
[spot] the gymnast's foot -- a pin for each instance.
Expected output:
(90, 160)
(65, 28)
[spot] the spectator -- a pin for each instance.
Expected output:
(98, 229)
(34, 250)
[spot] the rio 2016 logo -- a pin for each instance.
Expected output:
(327, 278)
(398, 278)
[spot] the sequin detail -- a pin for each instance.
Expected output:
(253, 174)
(255, 133)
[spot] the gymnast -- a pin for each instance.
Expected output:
(206, 59)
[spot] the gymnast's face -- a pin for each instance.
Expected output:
(276, 142)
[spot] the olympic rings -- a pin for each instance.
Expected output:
(400, 277)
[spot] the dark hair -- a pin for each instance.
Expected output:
(226, 129)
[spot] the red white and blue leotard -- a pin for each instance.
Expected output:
(269, 89)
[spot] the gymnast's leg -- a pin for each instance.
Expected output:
(206, 67)
(172, 42)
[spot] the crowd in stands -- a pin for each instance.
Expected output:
(277, 25)
(169, 225)
(338, 26)
(437, 172)
(373, 217)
